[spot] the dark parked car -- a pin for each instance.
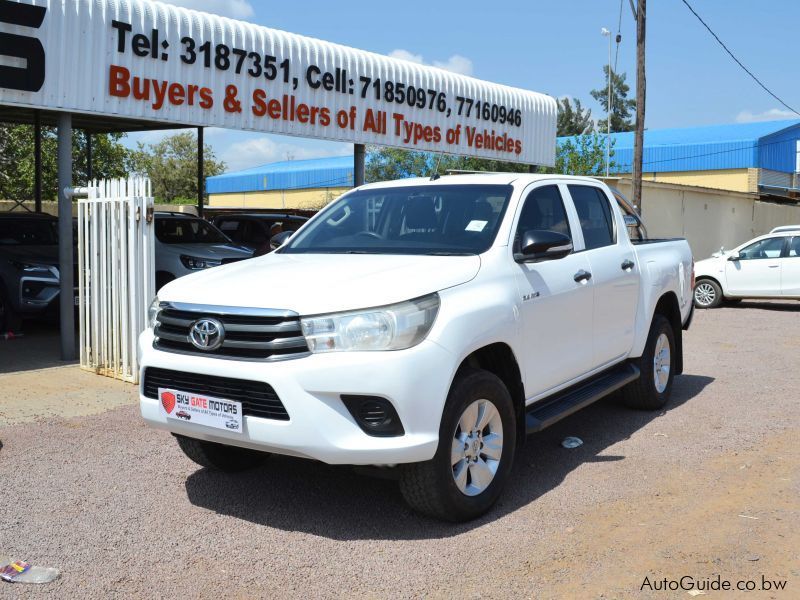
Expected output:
(255, 230)
(29, 278)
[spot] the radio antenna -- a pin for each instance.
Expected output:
(436, 175)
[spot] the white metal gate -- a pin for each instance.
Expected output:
(116, 274)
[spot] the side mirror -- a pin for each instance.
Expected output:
(539, 245)
(734, 256)
(276, 241)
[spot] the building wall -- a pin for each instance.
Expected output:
(736, 180)
(707, 218)
(313, 198)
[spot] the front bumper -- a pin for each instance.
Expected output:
(415, 381)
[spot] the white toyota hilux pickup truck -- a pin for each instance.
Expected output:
(426, 325)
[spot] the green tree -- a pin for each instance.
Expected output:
(385, 164)
(573, 121)
(171, 165)
(622, 108)
(584, 155)
(17, 168)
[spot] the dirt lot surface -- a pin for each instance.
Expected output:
(707, 489)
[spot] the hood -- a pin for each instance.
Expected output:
(41, 255)
(210, 250)
(321, 283)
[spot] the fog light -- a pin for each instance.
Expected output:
(375, 416)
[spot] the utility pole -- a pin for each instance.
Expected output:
(607, 33)
(641, 86)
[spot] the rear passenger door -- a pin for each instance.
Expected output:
(555, 308)
(790, 271)
(614, 273)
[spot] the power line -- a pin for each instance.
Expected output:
(738, 62)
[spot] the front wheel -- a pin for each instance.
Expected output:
(477, 439)
(707, 294)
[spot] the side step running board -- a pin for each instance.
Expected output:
(546, 412)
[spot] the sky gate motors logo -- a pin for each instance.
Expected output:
(22, 58)
(168, 401)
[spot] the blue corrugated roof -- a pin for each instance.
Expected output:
(335, 171)
(768, 145)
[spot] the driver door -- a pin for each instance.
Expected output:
(757, 272)
(556, 311)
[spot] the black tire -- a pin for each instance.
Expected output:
(708, 292)
(643, 394)
(9, 319)
(219, 456)
(430, 487)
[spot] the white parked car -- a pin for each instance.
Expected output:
(765, 267)
(782, 228)
(421, 324)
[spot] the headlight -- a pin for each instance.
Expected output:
(195, 263)
(152, 312)
(34, 268)
(394, 327)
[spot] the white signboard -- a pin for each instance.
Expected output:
(153, 61)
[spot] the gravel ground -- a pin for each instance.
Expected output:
(708, 487)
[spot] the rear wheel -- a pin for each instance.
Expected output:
(707, 294)
(219, 456)
(477, 439)
(657, 366)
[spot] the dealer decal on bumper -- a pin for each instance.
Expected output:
(202, 410)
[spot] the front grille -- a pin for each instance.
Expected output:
(258, 398)
(247, 336)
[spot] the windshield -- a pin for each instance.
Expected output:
(183, 230)
(430, 219)
(28, 232)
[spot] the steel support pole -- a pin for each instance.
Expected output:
(89, 169)
(201, 183)
(37, 161)
(359, 152)
(65, 248)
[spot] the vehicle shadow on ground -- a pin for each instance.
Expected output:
(336, 502)
(788, 306)
(37, 346)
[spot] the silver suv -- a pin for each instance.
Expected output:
(185, 244)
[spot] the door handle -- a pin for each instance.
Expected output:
(773, 266)
(582, 276)
(627, 265)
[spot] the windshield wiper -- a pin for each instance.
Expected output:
(449, 253)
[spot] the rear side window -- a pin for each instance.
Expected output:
(544, 210)
(594, 213)
(794, 247)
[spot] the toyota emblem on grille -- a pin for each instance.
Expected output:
(207, 334)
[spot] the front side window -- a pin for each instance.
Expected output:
(426, 219)
(595, 215)
(185, 230)
(544, 211)
(766, 248)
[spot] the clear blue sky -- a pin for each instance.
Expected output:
(550, 46)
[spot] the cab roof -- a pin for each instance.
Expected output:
(476, 179)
